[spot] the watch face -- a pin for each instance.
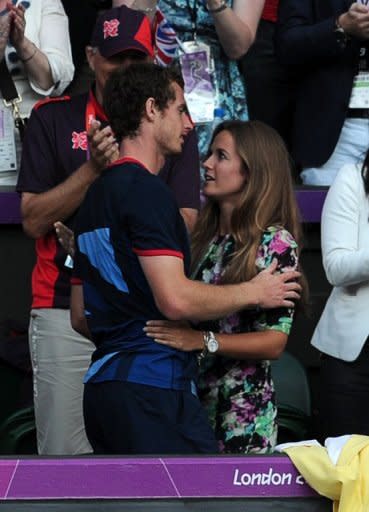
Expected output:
(212, 345)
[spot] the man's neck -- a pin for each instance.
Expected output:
(144, 151)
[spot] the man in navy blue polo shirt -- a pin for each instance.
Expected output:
(65, 150)
(132, 257)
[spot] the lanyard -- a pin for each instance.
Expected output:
(93, 111)
(11, 98)
(193, 17)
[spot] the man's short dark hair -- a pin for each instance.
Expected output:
(127, 90)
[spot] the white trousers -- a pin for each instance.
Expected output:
(60, 358)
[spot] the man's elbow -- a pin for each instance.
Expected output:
(31, 229)
(33, 226)
(34, 220)
(173, 308)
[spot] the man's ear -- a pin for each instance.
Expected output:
(151, 110)
(90, 56)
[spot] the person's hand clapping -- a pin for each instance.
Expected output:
(4, 33)
(355, 21)
(17, 27)
(65, 237)
(103, 146)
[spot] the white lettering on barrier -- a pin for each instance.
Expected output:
(269, 478)
(300, 480)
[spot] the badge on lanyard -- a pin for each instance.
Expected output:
(8, 159)
(360, 87)
(197, 71)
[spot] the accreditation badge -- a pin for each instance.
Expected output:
(360, 91)
(197, 70)
(8, 158)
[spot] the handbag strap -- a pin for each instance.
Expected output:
(7, 86)
(11, 97)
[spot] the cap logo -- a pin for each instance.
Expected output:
(111, 28)
(79, 140)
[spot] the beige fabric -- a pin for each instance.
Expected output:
(60, 358)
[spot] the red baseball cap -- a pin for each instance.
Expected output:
(121, 29)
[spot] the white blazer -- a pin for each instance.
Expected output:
(344, 325)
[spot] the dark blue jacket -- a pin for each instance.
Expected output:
(306, 40)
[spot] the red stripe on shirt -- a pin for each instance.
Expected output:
(127, 160)
(270, 12)
(158, 252)
(45, 273)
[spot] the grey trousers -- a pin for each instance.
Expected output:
(60, 358)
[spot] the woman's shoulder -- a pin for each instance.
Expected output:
(277, 242)
(278, 236)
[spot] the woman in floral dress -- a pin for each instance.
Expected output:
(250, 222)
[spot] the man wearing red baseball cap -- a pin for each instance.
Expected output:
(68, 144)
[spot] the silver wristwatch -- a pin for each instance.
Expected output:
(211, 343)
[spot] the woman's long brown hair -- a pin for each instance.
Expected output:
(268, 199)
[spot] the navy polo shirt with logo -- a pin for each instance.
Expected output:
(128, 213)
(55, 146)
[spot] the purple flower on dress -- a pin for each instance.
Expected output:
(278, 244)
(249, 370)
(267, 394)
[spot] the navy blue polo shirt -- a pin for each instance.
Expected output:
(129, 212)
(55, 146)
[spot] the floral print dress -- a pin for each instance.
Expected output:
(232, 97)
(239, 395)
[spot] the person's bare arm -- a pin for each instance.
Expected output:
(190, 217)
(41, 211)
(179, 298)
(77, 311)
(236, 27)
(34, 60)
(268, 344)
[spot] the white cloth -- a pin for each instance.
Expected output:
(343, 327)
(60, 358)
(47, 28)
(339, 470)
(334, 446)
(351, 147)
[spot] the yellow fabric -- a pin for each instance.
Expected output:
(347, 482)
